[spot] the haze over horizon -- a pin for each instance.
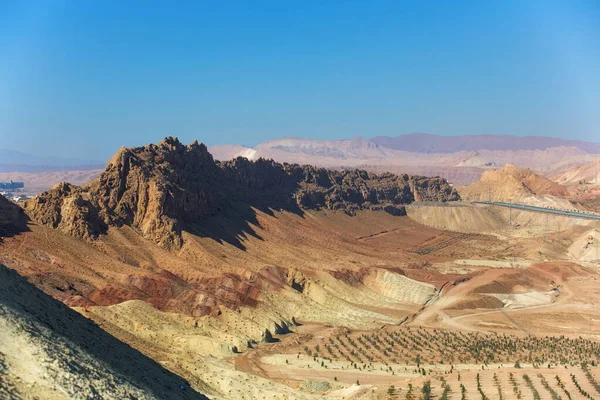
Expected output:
(80, 80)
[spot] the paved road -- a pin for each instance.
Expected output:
(566, 213)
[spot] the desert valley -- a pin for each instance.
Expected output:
(339, 200)
(170, 274)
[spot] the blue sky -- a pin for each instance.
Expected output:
(81, 78)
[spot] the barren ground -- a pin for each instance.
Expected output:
(204, 312)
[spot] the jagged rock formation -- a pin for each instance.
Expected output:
(160, 190)
(12, 218)
(347, 190)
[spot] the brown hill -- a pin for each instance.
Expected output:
(512, 183)
(228, 264)
(583, 183)
(165, 189)
(586, 175)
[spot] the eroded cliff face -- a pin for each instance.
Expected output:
(161, 190)
(154, 189)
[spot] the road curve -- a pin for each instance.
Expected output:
(566, 213)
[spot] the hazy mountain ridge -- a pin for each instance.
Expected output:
(37, 182)
(428, 155)
(360, 152)
(357, 147)
(429, 143)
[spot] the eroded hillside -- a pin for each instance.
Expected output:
(49, 351)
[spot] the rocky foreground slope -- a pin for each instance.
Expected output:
(48, 351)
(164, 189)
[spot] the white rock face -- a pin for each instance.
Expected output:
(587, 247)
(528, 299)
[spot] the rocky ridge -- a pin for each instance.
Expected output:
(161, 190)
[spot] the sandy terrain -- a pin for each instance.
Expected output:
(232, 311)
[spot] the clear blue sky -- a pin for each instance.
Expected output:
(81, 78)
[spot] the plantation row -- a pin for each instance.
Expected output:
(422, 346)
(524, 387)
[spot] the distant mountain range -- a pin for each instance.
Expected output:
(427, 143)
(421, 143)
(460, 159)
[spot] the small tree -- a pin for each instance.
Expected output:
(391, 390)
(426, 391)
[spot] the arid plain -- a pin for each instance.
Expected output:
(259, 280)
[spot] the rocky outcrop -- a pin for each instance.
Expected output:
(161, 190)
(12, 218)
(154, 189)
(347, 190)
(511, 183)
(68, 208)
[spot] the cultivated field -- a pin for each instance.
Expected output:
(403, 363)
